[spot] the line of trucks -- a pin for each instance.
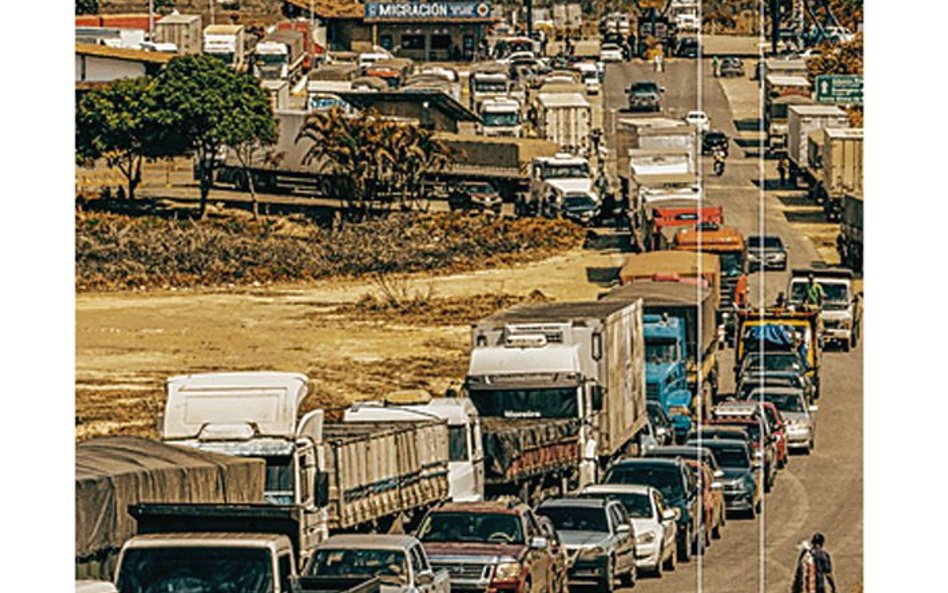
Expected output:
(554, 393)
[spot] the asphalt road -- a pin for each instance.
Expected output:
(822, 492)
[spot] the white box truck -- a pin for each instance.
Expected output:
(566, 119)
(803, 119)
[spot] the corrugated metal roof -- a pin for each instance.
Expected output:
(338, 9)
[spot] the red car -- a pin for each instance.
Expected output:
(770, 414)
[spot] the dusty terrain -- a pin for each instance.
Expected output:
(128, 343)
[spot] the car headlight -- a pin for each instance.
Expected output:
(679, 411)
(593, 552)
(508, 570)
(645, 538)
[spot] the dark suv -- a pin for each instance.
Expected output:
(678, 486)
(645, 96)
(766, 252)
(741, 480)
(490, 545)
(731, 66)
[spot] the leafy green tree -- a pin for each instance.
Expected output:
(116, 123)
(205, 106)
(87, 6)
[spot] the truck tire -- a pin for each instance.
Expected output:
(628, 579)
(847, 344)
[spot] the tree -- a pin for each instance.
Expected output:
(371, 160)
(87, 6)
(204, 106)
(117, 123)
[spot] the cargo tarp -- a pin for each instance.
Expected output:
(115, 472)
(523, 447)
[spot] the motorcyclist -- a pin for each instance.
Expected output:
(718, 161)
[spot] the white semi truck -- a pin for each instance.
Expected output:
(500, 117)
(555, 179)
(226, 42)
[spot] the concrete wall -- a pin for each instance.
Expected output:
(98, 69)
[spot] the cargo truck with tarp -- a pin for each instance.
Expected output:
(113, 473)
(564, 382)
(782, 330)
(349, 476)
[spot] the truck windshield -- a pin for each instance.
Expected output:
(501, 528)
(196, 569)
(271, 59)
(501, 119)
(661, 352)
(457, 443)
(576, 518)
(359, 563)
(490, 87)
(559, 402)
(573, 171)
(732, 264)
(278, 488)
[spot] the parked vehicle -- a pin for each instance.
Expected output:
(799, 415)
(677, 484)
(599, 538)
(731, 66)
(394, 559)
(766, 252)
(803, 119)
(680, 342)
(572, 373)
(645, 96)
(465, 449)
(701, 460)
(257, 414)
(781, 330)
(714, 141)
(475, 195)
(842, 308)
(653, 523)
(849, 241)
(742, 476)
(489, 545)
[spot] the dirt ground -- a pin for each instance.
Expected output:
(128, 343)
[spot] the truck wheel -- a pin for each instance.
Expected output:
(847, 345)
(628, 579)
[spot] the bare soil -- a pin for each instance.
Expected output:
(349, 336)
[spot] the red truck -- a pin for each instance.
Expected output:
(666, 218)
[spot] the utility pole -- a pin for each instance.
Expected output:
(211, 5)
(151, 20)
(529, 5)
(774, 24)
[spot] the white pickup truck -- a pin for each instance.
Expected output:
(842, 308)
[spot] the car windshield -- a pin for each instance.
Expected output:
(665, 478)
(581, 202)
(448, 526)
(610, 47)
(573, 171)
(752, 429)
(636, 505)
(832, 292)
(785, 402)
(731, 457)
(644, 87)
(765, 242)
(576, 518)
(359, 563)
(561, 402)
(195, 570)
(660, 352)
(457, 443)
(501, 119)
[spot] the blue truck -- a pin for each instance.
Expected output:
(681, 342)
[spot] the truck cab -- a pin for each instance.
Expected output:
(501, 117)
(666, 378)
(554, 178)
(466, 464)
(842, 309)
(271, 60)
(485, 85)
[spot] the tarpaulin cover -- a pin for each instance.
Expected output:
(522, 446)
(776, 336)
(115, 472)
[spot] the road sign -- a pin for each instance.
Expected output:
(839, 89)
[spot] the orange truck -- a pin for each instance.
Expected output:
(665, 218)
(728, 244)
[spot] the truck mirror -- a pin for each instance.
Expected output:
(321, 489)
(596, 394)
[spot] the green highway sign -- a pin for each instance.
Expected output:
(839, 89)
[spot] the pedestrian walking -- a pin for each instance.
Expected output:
(715, 66)
(804, 578)
(782, 170)
(822, 563)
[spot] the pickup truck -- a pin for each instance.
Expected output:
(239, 548)
(399, 561)
(842, 308)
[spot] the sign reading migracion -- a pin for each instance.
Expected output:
(418, 11)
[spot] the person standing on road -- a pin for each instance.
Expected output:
(813, 295)
(822, 564)
(804, 579)
(782, 170)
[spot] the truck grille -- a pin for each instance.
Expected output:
(463, 571)
(727, 291)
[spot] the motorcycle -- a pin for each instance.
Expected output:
(718, 163)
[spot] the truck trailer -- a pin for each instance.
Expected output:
(803, 119)
(835, 167)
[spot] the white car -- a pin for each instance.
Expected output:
(654, 523)
(610, 52)
(590, 76)
(699, 119)
(800, 417)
